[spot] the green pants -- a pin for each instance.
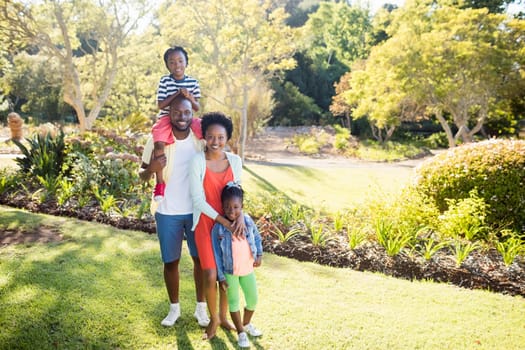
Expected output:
(249, 289)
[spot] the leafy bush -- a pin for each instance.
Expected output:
(495, 168)
(311, 143)
(9, 180)
(45, 155)
(342, 137)
(437, 140)
(464, 218)
(389, 151)
(306, 144)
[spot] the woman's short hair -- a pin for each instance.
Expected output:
(212, 118)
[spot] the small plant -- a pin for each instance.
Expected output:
(510, 248)
(318, 235)
(431, 247)
(83, 199)
(383, 231)
(297, 211)
(339, 221)
(284, 236)
(65, 191)
(393, 240)
(462, 250)
(50, 186)
(8, 180)
(143, 207)
(106, 201)
(356, 236)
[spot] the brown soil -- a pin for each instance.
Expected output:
(41, 234)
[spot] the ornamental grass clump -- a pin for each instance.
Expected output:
(495, 168)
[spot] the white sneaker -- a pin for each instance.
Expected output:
(200, 314)
(173, 315)
(243, 340)
(251, 330)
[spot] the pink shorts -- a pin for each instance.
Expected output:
(162, 130)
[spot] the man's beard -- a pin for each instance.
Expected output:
(178, 128)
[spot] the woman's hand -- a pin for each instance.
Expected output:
(239, 226)
(257, 262)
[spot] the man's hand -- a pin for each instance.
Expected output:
(157, 163)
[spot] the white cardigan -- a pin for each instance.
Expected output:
(197, 172)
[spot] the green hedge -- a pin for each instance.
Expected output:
(495, 168)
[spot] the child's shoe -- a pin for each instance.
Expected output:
(158, 194)
(251, 330)
(243, 340)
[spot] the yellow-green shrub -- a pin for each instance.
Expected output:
(495, 168)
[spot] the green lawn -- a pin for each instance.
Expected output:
(330, 188)
(102, 288)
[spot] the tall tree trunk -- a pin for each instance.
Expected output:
(450, 137)
(244, 122)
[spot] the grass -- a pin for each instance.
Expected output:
(330, 188)
(102, 288)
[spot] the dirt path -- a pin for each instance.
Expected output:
(272, 147)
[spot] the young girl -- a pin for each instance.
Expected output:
(236, 256)
(170, 86)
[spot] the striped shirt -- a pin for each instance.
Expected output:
(169, 85)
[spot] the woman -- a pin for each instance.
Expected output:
(210, 171)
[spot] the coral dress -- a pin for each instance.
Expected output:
(213, 184)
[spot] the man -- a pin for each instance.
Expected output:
(173, 215)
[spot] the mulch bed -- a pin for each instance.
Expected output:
(481, 269)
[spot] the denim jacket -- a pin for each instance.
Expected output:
(222, 246)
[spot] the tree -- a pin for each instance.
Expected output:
(238, 45)
(334, 36)
(450, 61)
(340, 106)
(84, 36)
(33, 86)
(340, 30)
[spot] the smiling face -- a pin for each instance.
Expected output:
(232, 208)
(216, 137)
(181, 114)
(177, 64)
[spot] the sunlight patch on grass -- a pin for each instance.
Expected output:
(23, 295)
(331, 188)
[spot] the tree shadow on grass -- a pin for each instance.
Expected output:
(92, 290)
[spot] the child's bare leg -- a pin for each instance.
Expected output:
(236, 317)
(158, 150)
(247, 317)
(160, 187)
